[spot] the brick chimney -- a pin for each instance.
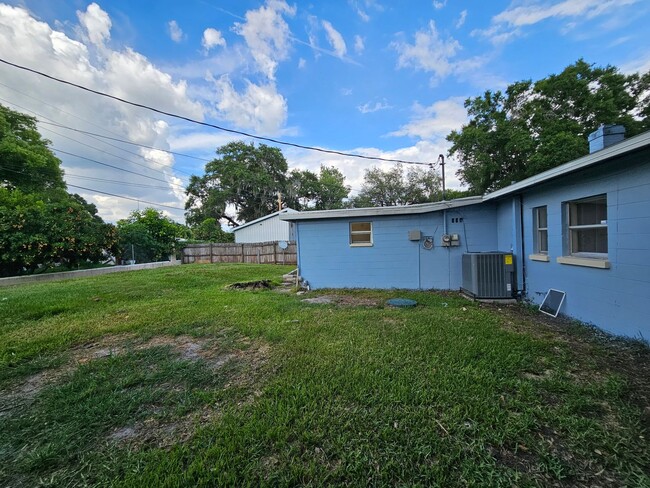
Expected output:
(605, 136)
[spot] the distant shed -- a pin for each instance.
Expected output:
(266, 229)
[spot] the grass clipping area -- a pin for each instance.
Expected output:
(169, 377)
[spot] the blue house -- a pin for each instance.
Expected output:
(582, 228)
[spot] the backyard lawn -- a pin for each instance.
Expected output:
(168, 377)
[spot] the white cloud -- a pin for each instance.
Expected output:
(435, 121)
(346, 92)
(362, 14)
(211, 38)
(175, 32)
(361, 8)
(96, 23)
(370, 107)
(639, 64)
(130, 75)
(359, 45)
(258, 107)
(302, 63)
(429, 52)
(267, 35)
(508, 24)
(537, 12)
(125, 73)
(335, 39)
(204, 142)
(439, 4)
(461, 19)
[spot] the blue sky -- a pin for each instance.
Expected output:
(375, 77)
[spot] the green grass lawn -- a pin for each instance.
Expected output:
(166, 377)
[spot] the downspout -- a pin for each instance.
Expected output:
(419, 255)
(298, 249)
(444, 232)
(523, 251)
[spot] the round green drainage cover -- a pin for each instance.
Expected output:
(401, 302)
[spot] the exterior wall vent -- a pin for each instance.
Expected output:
(489, 275)
(605, 136)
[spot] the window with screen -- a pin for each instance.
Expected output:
(540, 238)
(587, 227)
(361, 233)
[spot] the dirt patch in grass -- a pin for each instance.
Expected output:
(159, 433)
(252, 285)
(595, 354)
(186, 347)
(590, 357)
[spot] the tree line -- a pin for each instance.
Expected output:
(42, 225)
(510, 135)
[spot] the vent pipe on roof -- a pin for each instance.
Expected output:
(605, 136)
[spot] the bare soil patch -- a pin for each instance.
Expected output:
(252, 285)
(595, 354)
(187, 348)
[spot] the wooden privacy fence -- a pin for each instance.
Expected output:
(257, 253)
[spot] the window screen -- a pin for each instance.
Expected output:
(588, 227)
(541, 230)
(360, 233)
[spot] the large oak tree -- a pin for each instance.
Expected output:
(535, 126)
(249, 178)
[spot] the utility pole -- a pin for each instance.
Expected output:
(441, 158)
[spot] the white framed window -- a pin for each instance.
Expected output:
(360, 234)
(540, 226)
(587, 227)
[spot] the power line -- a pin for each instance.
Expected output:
(206, 124)
(115, 167)
(129, 142)
(138, 185)
(88, 145)
(126, 198)
(60, 110)
(103, 192)
(108, 153)
(95, 137)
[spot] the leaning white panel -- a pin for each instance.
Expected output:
(552, 302)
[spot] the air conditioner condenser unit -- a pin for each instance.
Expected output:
(489, 275)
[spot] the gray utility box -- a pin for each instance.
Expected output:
(489, 275)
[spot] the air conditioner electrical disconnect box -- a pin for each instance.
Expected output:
(489, 275)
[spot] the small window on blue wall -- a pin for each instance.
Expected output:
(540, 225)
(361, 233)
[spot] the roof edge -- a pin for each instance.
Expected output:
(265, 217)
(419, 208)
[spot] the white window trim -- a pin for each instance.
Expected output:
(587, 262)
(539, 257)
(536, 236)
(583, 258)
(361, 232)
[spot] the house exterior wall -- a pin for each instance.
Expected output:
(271, 229)
(508, 224)
(616, 299)
(327, 260)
